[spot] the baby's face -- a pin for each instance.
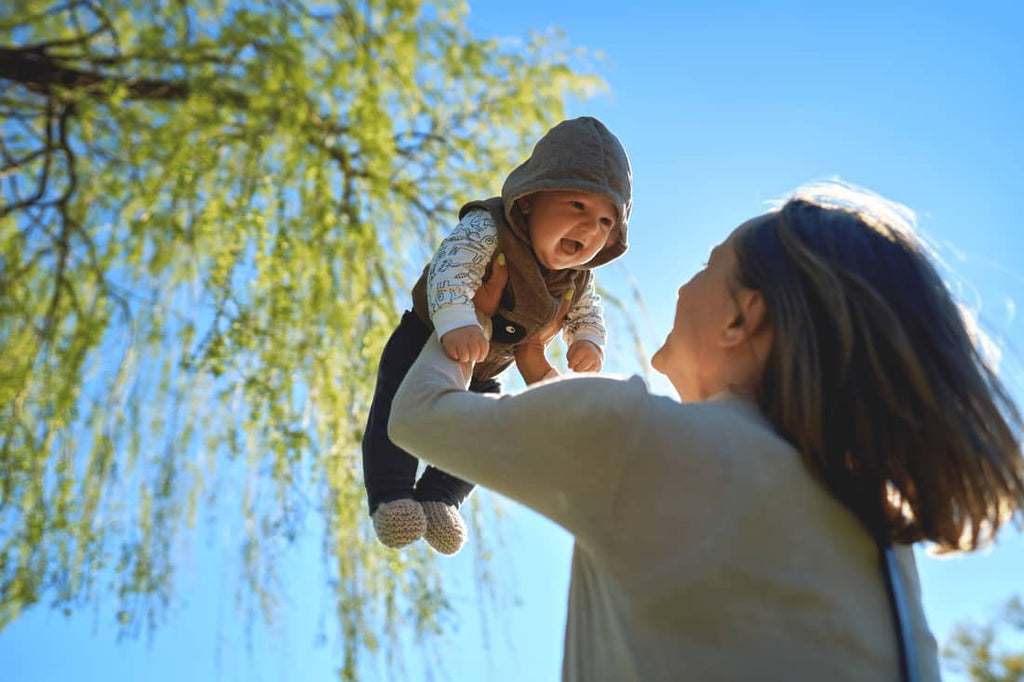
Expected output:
(567, 229)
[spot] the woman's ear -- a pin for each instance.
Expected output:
(749, 317)
(525, 203)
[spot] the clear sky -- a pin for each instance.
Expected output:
(721, 106)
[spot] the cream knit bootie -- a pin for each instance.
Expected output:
(446, 531)
(399, 522)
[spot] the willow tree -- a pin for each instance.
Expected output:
(984, 653)
(209, 216)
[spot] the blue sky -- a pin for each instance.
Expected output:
(721, 106)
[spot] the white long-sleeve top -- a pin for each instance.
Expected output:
(704, 549)
(457, 270)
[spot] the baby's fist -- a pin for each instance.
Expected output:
(466, 344)
(584, 356)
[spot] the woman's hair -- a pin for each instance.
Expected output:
(873, 374)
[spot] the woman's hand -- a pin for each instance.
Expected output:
(531, 359)
(530, 356)
(488, 296)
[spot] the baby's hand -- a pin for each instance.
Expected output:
(466, 344)
(584, 356)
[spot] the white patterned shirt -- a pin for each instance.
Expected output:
(457, 270)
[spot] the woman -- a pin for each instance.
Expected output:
(834, 405)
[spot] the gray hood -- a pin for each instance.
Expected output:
(579, 154)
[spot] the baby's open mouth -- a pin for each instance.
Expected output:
(571, 245)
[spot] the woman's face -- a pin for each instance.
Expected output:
(693, 356)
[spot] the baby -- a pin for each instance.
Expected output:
(564, 211)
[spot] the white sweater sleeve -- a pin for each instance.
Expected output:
(585, 319)
(458, 268)
(559, 447)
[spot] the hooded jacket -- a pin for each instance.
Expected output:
(579, 154)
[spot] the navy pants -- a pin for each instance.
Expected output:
(389, 471)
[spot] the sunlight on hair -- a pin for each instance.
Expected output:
(886, 216)
(985, 531)
(896, 501)
(990, 352)
(891, 218)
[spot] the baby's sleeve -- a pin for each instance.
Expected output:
(585, 319)
(457, 269)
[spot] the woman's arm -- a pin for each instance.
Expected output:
(559, 448)
(531, 354)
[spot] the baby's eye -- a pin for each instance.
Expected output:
(578, 205)
(607, 223)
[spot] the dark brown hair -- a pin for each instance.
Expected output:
(874, 377)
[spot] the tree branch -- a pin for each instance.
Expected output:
(42, 73)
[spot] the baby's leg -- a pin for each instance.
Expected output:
(388, 471)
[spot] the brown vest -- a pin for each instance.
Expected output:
(530, 299)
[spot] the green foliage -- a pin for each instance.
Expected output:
(209, 216)
(974, 650)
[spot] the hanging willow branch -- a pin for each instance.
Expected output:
(208, 213)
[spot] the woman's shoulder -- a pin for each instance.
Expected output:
(726, 423)
(727, 434)
(610, 388)
(593, 394)
(725, 411)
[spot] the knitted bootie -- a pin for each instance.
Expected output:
(399, 522)
(446, 531)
